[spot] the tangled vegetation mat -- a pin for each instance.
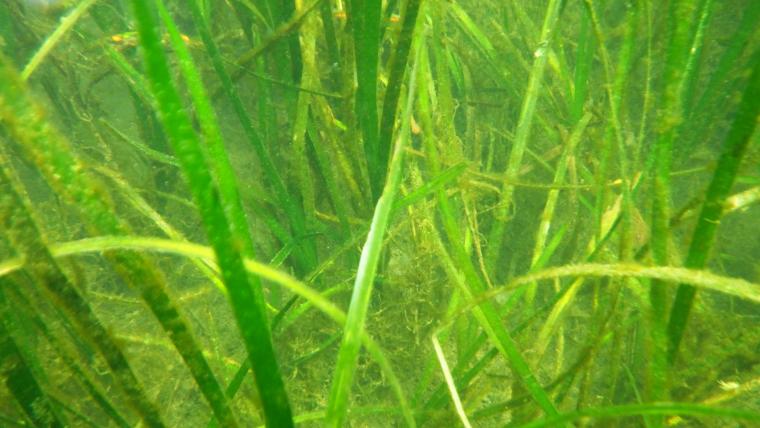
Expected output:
(362, 213)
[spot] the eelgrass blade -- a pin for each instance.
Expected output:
(366, 272)
(732, 153)
(701, 279)
(613, 135)
(306, 257)
(21, 120)
(486, 315)
(677, 55)
(583, 57)
(246, 303)
(669, 117)
(104, 244)
(431, 187)
(299, 159)
(688, 85)
(746, 30)
(18, 377)
(461, 259)
(523, 130)
(365, 19)
(551, 199)
(478, 38)
(338, 198)
(212, 137)
(280, 11)
(144, 208)
(105, 400)
(136, 81)
(450, 383)
(284, 30)
(729, 286)
(698, 278)
(398, 67)
(67, 23)
(331, 40)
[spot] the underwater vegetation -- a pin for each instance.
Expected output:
(360, 213)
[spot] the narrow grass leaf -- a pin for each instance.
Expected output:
(732, 153)
(365, 19)
(319, 300)
(247, 307)
(398, 67)
(67, 23)
(306, 258)
(365, 276)
(522, 133)
(63, 171)
(19, 379)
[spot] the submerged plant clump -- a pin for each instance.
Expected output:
(401, 213)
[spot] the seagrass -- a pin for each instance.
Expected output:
(365, 213)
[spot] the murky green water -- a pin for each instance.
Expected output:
(347, 213)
